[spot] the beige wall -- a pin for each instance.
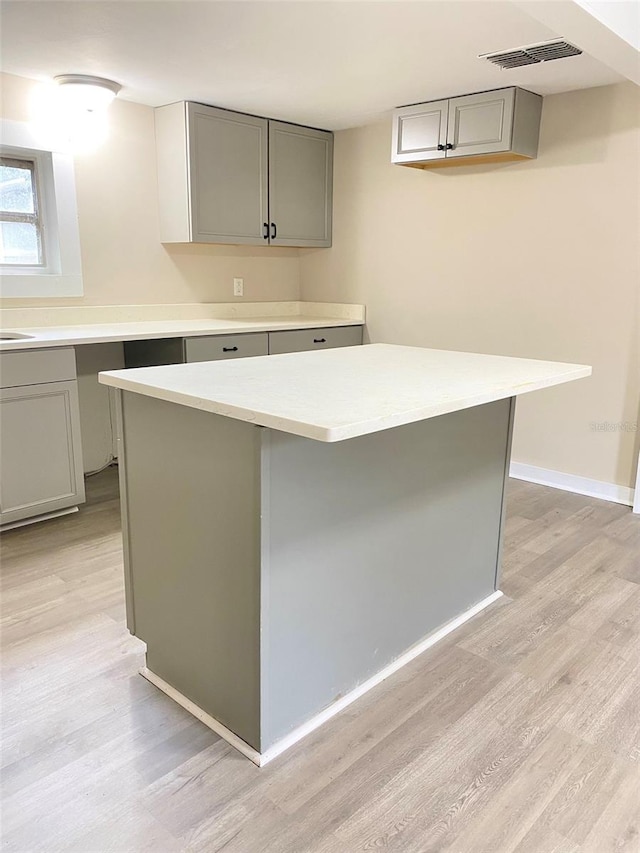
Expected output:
(539, 259)
(122, 258)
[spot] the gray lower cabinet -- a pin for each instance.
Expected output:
(299, 340)
(40, 451)
(227, 177)
(502, 124)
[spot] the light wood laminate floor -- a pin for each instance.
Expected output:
(520, 732)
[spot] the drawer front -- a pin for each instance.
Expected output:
(215, 347)
(36, 367)
(309, 339)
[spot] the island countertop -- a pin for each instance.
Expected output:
(345, 392)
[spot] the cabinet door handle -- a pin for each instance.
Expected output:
(265, 230)
(274, 231)
(449, 146)
(440, 147)
(319, 340)
(229, 349)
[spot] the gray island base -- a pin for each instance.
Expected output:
(275, 578)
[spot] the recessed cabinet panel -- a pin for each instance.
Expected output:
(40, 453)
(480, 124)
(300, 185)
(420, 131)
(228, 163)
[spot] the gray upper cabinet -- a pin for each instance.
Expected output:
(300, 185)
(226, 177)
(495, 126)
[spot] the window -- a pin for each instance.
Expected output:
(20, 227)
(39, 236)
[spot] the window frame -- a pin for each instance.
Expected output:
(61, 274)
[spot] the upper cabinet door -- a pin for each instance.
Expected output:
(300, 185)
(420, 132)
(228, 176)
(480, 124)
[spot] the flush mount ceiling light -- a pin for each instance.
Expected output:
(85, 93)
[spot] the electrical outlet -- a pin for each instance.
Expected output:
(238, 287)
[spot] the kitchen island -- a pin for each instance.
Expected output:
(298, 527)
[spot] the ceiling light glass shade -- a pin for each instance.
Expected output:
(82, 93)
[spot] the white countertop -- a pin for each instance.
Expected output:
(97, 333)
(341, 393)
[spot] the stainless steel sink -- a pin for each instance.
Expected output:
(13, 336)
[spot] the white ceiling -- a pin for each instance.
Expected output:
(330, 64)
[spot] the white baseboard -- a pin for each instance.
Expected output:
(207, 719)
(572, 483)
(12, 525)
(315, 722)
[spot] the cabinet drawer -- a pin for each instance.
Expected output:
(215, 347)
(308, 339)
(37, 366)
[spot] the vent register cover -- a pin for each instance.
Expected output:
(533, 54)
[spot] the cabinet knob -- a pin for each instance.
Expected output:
(274, 231)
(229, 349)
(319, 340)
(449, 146)
(265, 230)
(440, 147)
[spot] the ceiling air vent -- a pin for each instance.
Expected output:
(533, 54)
